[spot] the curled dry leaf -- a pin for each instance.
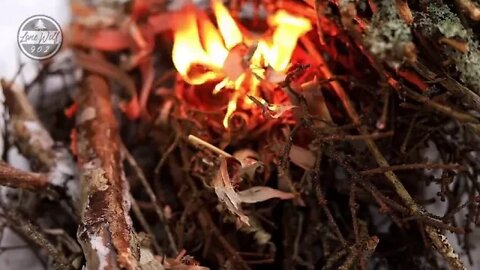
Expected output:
(260, 194)
(276, 111)
(225, 192)
(249, 168)
(249, 163)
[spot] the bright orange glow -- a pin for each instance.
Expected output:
(188, 54)
(202, 53)
(227, 25)
(288, 30)
(213, 42)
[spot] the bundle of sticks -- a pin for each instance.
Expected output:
(364, 155)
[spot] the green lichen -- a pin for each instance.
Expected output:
(440, 19)
(388, 35)
(468, 64)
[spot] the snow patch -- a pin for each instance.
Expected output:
(102, 251)
(39, 134)
(64, 173)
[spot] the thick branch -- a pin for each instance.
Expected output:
(105, 232)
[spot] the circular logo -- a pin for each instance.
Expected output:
(39, 37)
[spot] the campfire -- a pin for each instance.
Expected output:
(244, 135)
(234, 59)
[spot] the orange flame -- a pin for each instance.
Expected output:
(202, 53)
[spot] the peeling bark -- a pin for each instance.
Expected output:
(105, 232)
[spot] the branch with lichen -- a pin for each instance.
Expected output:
(36, 143)
(440, 23)
(105, 232)
(394, 181)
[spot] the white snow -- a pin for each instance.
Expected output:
(102, 251)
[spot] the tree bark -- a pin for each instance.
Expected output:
(105, 231)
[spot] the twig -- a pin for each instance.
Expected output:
(205, 220)
(27, 229)
(460, 91)
(414, 166)
(141, 218)
(35, 142)
(348, 137)
(105, 231)
(32, 138)
(444, 247)
(194, 140)
(434, 234)
(457, 115)
(13, 177)
(323, 202)
(153, 198)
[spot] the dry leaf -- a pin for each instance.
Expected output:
(225, 192)
(250, 169)
(302, 157)
(260, 194)
(249, 163)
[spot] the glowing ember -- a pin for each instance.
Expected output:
(202, 53)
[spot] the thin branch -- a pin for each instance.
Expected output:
(438, 239)
(153, 199)
(414, 166)
(15, 178)
(30, 231)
